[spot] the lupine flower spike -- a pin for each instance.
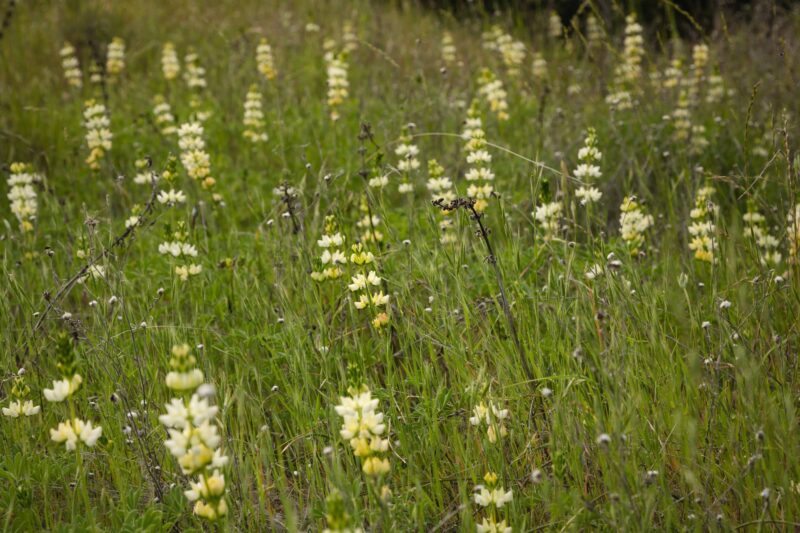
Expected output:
(588, 170)
(363, 427)
(194, 438)
(492, 497)
(73, 431)
(332, 256)
(702, 229)
(71, 66)
(22, 195)
(20, 405)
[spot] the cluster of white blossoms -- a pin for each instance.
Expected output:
(366, 285)
(555, 28)
(672, 76)
(698, 77)
(479, 174)
(793, 232)
(349, 38)
(194, 438)
(20, 405)
(364, 429)
(338, 86)
(492, 497)
(755, 227)
(633, 224)
(448, 48)
(489, 38)
(179, 248)
(115, 57)
(369, 224)
(144, 176)
(629, 71)
(492, 417)
(98, 134)
(265, 61)
(539, 67)
(254, 125)
(170, 65)
(71, 66)
(702, 229)
(594, 32)
(490, 87)
(72, 431)
(716, 89)
(587, 170)
(441, 188)
(408, 163)
(22, 195)
(512, 52)
(194, 75)
(332, 255)
(632, 51)
(548, 216)
(682, 118)
(163, 117)
(194, 157)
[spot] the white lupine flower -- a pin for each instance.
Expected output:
(71, 66)
(170, 65)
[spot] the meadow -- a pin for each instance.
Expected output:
(374, 266)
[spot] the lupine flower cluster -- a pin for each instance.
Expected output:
(22, 195)
(448, 48)
(332, 255)
(366, 284)
(115, 57)
(194, 438)
(182, 251)
(548, 216)
(629, 71)
(408, 164)
(338, 86)
(194, 157)
(194, 75)
(170, 64)
(265, 61)
(490, 87)
(588, 171)
(511, 51)
(539, 67)
(254, 117)
(441, 188)
(163, 117)
(633, 224)
(492, 417)
(702, 229)
(20, 405)
(492, 497)
(555, 28)
(364, 429)
(71, 66)
(98, 134)
(755, 227)
(594, 32)
(349, 38)
(72, 431)
(369, 223)
(479, 175)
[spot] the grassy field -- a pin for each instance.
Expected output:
(595, 328)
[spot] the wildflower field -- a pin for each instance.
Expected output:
(356, 266)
